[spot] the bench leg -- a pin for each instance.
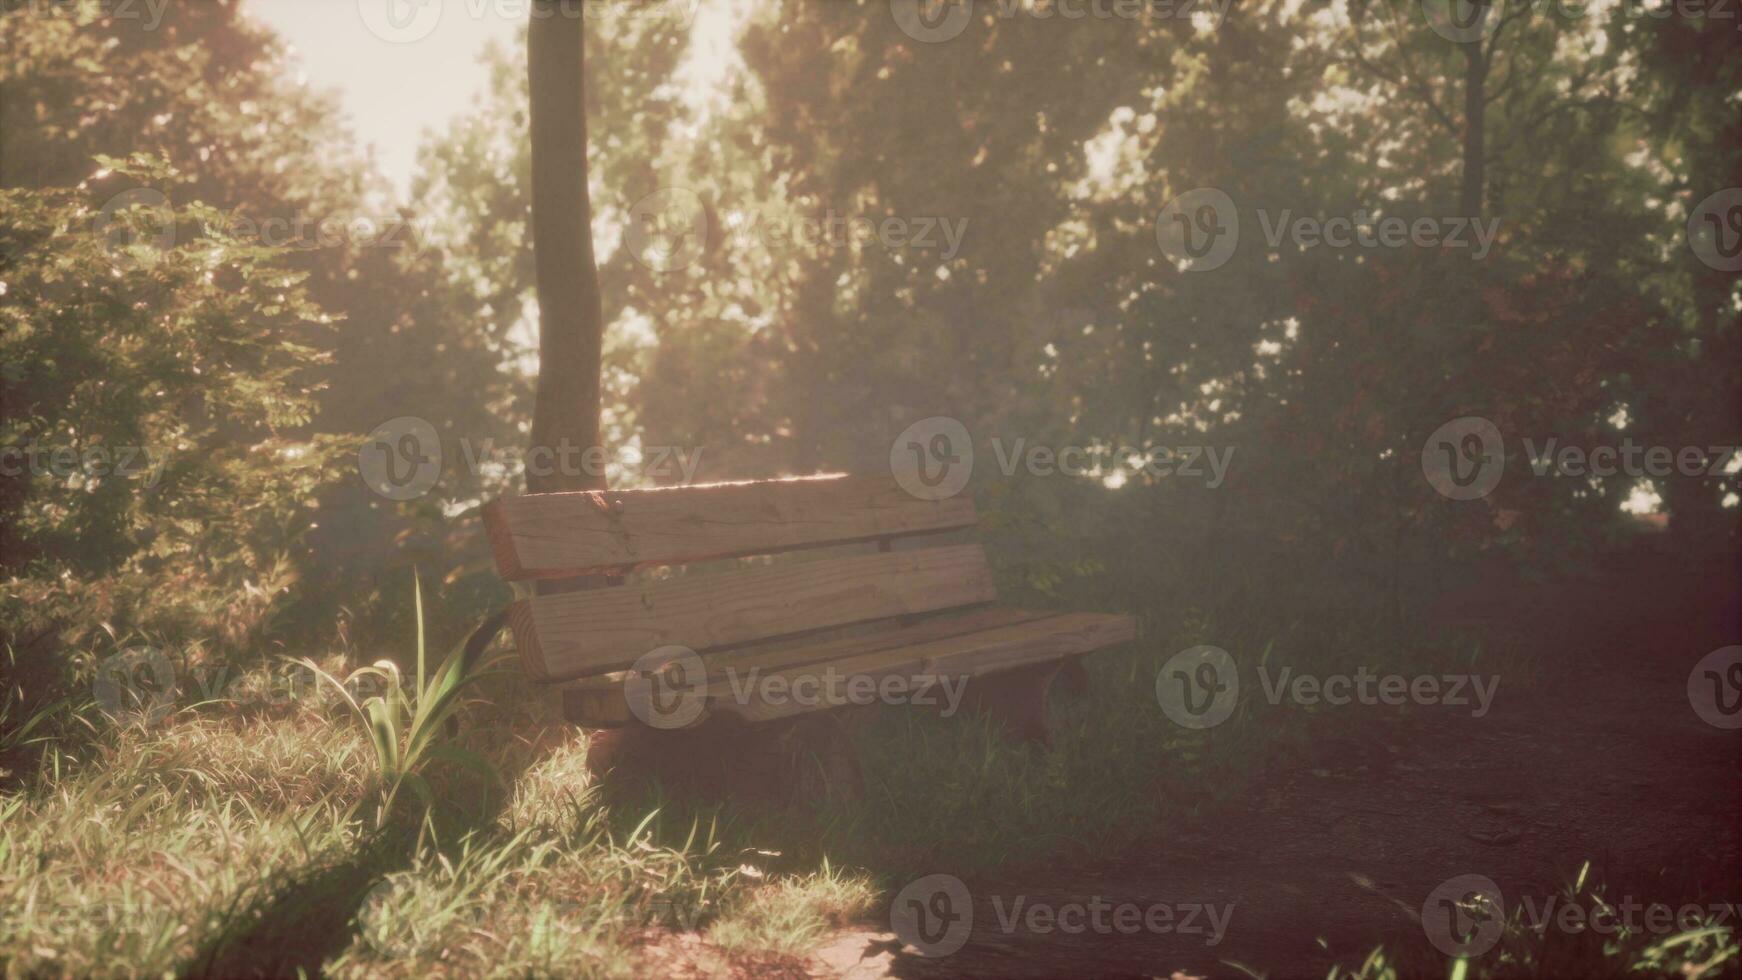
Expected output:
(1073, 678)
(1016, 698)
(808, 759)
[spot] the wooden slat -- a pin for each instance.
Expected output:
(568, 635)
(954, 646)
(972, 655)
(598, 701)
(866, 638)
(558, 535)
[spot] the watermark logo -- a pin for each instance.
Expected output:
(932, 21)
(662, 913)
(1362, 230)
(670, 688)
(1365, 687)
(777, 230)
(407, 21)
(1198, 688)
(375, 921)
(1199, 229)
(1464, 916)
(304, 232)
(1626, 916)
(1463, 21)
(401, 459)
(149, 13)
(668, 229)
(1715, 230)
(937, 21)
(667, 688)
(1101, 917)
(659, 464)
(1465, 458)
(1629, 458)
(934, 915)
(143, 685)
(1715, 688)
(1209, 463)
(136, 686)
(401, 21)
(674, 227)
(933, 458)
(138, 227)
(90, 464)
(827, 687)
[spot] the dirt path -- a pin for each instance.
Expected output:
(1603, 759)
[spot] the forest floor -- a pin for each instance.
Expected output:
(1602, 761)
(1290, 841)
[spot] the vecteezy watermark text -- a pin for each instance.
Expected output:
(140, 226)
(1200, 231)
(673, 227)
(88, 463)
(935, 916)
(1200, 688)
(932, 459)
(1467, 21)
(1465, 916)
(304, 232)
(672, 688)
(409, 21)
(403, 459)
(937, 21)
(143, 685)
(147, 13)
(1465, 458)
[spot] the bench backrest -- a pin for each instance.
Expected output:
(567, 635)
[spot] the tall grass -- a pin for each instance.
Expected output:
(122, 864)
(404, 729)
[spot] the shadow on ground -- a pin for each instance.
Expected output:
(1603, 759)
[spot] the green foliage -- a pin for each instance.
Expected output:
(157, 488)
(1059, 322)
(1541, 949)
(792, 914)
(405, 730)
(219, 372)
(150, 389)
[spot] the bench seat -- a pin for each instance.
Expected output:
(949, 646)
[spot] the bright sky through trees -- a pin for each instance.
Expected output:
(391, 92)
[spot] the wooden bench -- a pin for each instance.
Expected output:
(689, 610)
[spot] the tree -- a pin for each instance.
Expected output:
(1059, 321)
(565, 414)
(262, 160)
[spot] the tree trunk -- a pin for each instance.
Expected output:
(564, 454)
(1475, 110)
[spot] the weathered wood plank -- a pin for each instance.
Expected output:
(598, 701)
(557, 535)
(955, 646)
(960, 657)
(569, 635)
